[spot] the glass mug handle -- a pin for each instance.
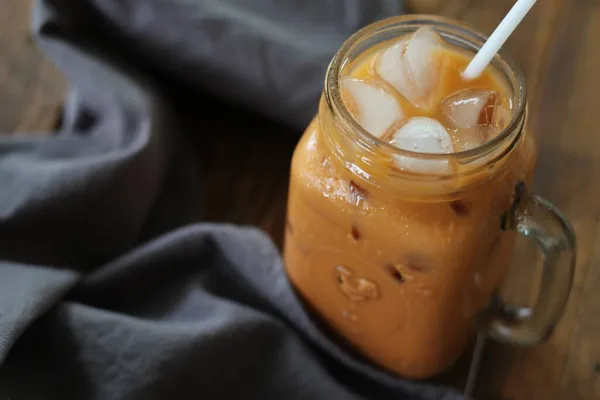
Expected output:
(539, 221)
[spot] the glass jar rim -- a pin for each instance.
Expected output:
(447, 28)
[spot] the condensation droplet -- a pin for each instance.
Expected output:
(349, 315)
(451, 227)
(394, 273)
(356, 289)
(356, 234)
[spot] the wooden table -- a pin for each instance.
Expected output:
(557, 47)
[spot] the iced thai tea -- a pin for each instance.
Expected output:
(398, 254)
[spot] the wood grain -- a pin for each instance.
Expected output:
(554, 47)
(570, 113)
(245, 166)
(31, 88)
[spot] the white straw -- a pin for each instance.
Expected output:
(497, 39)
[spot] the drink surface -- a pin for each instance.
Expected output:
(489, 90)
(398, 279)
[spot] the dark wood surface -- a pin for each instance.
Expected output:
(31, 88)
(246, 175)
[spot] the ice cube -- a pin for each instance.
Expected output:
(374, 109)
(470, 138)
(472, 113)
(413, 66)
(468, 108)
(422, 135)
(502, 116)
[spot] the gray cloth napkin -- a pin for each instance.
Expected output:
(109, 286)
